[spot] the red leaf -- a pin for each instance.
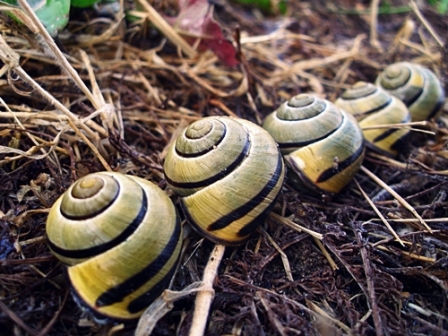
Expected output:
(195, 21)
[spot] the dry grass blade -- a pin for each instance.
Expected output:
(384, 220)
(425, 22)
(11, 59)
(323, 314)
(397, 197)
(295, 226)
(65, 65)
(327, 255)
(31, 137)
(162, 305)
(402, 125)
(408, 254)
(283, 256)
(374, 25)
(166, 29)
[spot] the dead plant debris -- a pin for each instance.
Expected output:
(127, 89)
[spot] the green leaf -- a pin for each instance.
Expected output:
(266, 5)
(52, 13)
(84, 3)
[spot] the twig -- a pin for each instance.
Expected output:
(397, 197)
(428, 26)
(370, 284)
(205, 296)
(50, 324)
(295, 226)
(326, 254)
(11, 58)
(90, 144)
(283, 255)
(373, 26)
(17, 320)
(59, 55)
(272, 316)
(379, 214)
(54, 161)
(160, 23)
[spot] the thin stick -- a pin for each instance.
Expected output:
(16, 319)
(379, 213)
(58, 54)
(401, 125)
(422, 19)
(373, 25)
(29, 135)
(407, 220)
(160, 23)
(408, 254)
(295, 226)
(283, 255)
(11, 58)
(205, 296)
(90, 144)
(326, 254)
(369, 273)
(397, 197)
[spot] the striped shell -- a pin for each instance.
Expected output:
(228, 172)
(416, 86)
(323, 145)
(122, 236)
(373, 106)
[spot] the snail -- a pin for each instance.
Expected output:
(228, 172)
(321, 144)
(416, 86)
(121, 237)
(374, 106)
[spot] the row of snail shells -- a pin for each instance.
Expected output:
(322, 144)
(121, 237)
(416, 86)
(372, 106)
(228, 172)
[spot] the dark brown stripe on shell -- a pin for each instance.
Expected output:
(206, 150)
(437, 107)
(95, 250)
(203, 183)
(97, 212)
(299, 144)
(330, 172)
(119, 292)
(249, 205)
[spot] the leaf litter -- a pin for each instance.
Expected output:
(126, 89)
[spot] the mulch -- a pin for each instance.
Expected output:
(357, 280)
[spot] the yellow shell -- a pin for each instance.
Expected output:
(229, 172)
(323, 145)
(122, 236)
(416, 86)
(373, 106)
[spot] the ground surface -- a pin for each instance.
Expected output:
(375, 287)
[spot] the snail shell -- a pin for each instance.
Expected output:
(323, 145)
(416, 86)
(228, 172)
(374, 106)
(122, 236)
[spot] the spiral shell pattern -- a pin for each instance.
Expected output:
(228, 172)
(323, 145)
(373, 106)
(418, 87)
(122, 236)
